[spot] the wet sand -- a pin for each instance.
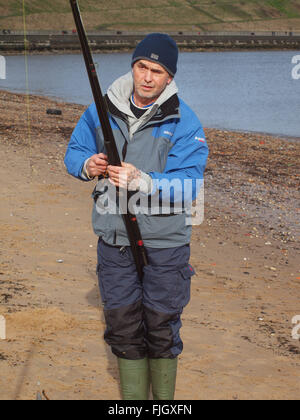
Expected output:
(237, 329)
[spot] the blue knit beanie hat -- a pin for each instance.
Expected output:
(159, 48)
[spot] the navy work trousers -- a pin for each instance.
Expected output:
(143, 317)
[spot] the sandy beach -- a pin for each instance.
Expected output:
(237, 329)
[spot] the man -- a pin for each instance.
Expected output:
(161, 143)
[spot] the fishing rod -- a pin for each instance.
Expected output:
(130, 220)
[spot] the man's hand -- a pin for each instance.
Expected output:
(126, 176)
(96, 165)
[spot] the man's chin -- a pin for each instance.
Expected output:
(146, 95)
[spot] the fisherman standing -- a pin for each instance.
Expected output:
(161, 142)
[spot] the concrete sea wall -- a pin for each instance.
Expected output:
(124, 40)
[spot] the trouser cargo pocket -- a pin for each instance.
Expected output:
(167, 290)
(183, 294)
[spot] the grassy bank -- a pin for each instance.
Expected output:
(166, 15)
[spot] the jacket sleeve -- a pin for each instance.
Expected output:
(182, 178)
(82, 144)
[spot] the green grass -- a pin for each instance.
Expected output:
(142, 14)
(235, 11)
(286, 7)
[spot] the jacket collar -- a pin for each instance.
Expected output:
(169, 109)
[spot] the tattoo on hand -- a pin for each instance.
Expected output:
(133, 180)
(135, 174)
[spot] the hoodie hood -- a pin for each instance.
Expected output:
(120, 92)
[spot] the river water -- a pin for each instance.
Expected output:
(247, 91)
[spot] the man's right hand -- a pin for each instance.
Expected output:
(96, 165)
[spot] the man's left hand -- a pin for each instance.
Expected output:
(126, 176)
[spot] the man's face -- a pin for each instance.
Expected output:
(150, 80)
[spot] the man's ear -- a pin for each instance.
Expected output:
(170, 80)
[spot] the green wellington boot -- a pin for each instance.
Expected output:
(163, 377)
(134, 379)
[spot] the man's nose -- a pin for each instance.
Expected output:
(148, 76)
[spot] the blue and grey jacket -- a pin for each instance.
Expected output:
(167, 144)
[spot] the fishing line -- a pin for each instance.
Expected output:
(27, 97)
(28, 362)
